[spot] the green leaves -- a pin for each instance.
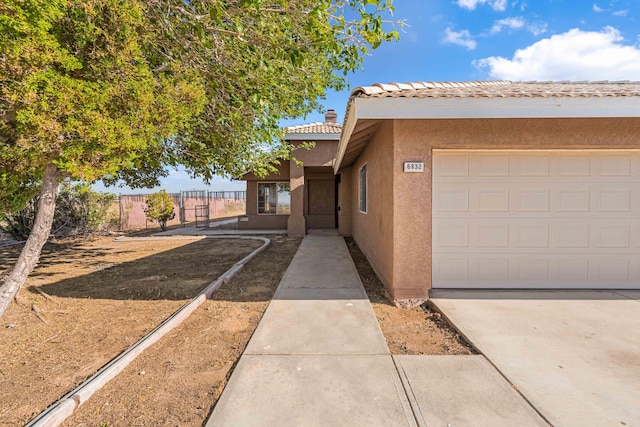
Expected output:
(121, 89)
(160, 208)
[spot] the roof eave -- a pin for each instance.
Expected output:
(503, 107)
(481, 108)
(347, 130)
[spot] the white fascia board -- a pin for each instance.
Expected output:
(498, 108)
(481, 108)
(312, 137)
(347, 130)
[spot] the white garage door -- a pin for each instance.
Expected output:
(536, 219)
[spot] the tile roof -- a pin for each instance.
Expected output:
(319, 127)
(499, 89)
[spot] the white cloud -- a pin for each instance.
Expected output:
(574, 55)
(517, 23)
(537, 29)
(461, 38)
(469, 4)
(622, 12)
(513, 23)
(497, 5)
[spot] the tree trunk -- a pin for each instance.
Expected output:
(37, 238)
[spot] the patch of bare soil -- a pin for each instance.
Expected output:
(416, 330)
(88, 300)
(178, 380)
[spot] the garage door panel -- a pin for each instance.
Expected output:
(608, 235)
(453, 164)
(490, 165)
(572, 198)
(571, 165)
(537, 166)
(569, 235)
(541, 199)
(489, 198)
(612, 165)
(609, 270)
(527, 235)
(491, 234)
(451, 198)
(612, 199)
(555, 220)
(528, 271)
(530, 165)
(530, 198)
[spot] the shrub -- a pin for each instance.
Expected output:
(18, 225)
(160, 208)
(79, 211)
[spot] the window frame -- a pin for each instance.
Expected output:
(276, 207)
(366, 189)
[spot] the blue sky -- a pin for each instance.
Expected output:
(462, 40)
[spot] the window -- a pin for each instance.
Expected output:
(274, 198)
(363, 189)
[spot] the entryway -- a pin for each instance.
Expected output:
(320, 198)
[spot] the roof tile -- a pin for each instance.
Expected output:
(317, 128)
(500, 89)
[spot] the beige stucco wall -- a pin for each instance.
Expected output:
(373, 231)
(405, 265)
(323, 154)
(345, 199)
(282, 173)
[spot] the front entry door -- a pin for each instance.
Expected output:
(321, 205)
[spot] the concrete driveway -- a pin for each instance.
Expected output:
(574, 355)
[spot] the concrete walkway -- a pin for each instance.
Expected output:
(318, 358)
(575, 355)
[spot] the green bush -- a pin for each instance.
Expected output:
(160, 208)
(18, 225)
(79, 211)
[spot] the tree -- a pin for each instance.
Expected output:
(122, 89)
(160, 208)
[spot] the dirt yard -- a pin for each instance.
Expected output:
(100, 296)
(407, 331)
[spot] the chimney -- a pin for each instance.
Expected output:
(331, 116)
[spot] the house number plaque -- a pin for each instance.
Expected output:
(414, 166)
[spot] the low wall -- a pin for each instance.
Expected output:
(133, 217)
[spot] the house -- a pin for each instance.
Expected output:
(509, 185)
(494, 184)
(303, 194)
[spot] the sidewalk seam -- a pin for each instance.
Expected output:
(406, 385)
